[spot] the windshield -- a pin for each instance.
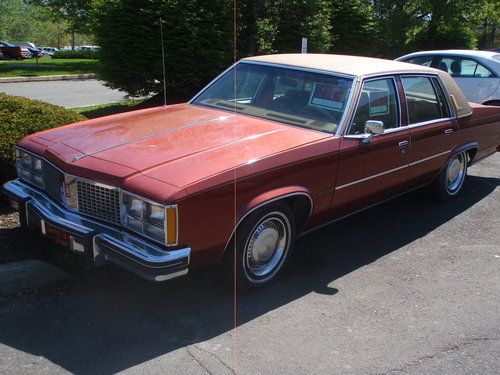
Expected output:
(301, 98)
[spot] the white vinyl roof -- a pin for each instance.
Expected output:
(344, 64)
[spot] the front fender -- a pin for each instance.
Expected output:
(269, 197)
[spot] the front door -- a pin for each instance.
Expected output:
(372, 171)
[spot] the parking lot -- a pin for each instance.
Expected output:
(68, 94)
(409, 287)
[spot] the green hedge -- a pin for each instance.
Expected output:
(85, 54)
(20, 117)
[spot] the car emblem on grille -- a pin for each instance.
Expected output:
(66, 190)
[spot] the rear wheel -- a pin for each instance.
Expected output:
(264, 241)
(451, 179)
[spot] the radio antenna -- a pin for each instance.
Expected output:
(163, 64)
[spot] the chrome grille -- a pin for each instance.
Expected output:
(53, 181)
(98, 201)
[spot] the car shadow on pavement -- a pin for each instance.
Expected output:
(107, 320)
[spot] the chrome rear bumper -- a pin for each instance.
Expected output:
(99, 242)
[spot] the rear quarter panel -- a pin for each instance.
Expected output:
(483, 127)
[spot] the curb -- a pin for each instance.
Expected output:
(69, 77)
(26, 274)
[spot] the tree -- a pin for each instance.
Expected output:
(197, 43)
(352, 27)
(394, 20)
(303, 18)
(447, 24)
(25, 21)
(76, 13)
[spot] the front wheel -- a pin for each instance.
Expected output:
(262, 247)
(451, 179)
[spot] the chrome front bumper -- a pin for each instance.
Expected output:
(99, 242)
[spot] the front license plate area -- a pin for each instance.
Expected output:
(55, 234)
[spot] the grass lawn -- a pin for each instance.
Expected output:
(46, 66)
(108, 109)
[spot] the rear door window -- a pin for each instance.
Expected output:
(422, 101)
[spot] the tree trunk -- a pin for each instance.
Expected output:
(72, 40)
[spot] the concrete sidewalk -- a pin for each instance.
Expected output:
(67, 77)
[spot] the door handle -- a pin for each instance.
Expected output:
(403, 144)
(448, 131)
(486, 84)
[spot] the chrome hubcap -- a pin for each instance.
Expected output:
(455, 173)
(266, 246)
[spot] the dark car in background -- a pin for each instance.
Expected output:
(11, 51)
(32, 50)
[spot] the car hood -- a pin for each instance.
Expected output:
(179, 144)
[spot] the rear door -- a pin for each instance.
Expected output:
(373, 171)
(432, 125)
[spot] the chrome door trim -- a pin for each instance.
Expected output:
(429, 158)
(371, 177)
(392, 170)
(358, 211)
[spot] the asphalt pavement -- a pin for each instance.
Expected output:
(409, 287)
(67, 94)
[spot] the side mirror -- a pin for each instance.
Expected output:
(372, 128)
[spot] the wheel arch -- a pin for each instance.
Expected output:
(469, 148)
(494, 102)
(296, 197)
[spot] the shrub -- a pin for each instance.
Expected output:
(85, 54)
(20, 117)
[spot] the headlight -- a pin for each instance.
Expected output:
(150, 219)
(29, 168)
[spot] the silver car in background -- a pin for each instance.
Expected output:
(476, 72)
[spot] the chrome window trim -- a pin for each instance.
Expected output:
(392, 170)
(384, 76)
(301, 68)
(340, 125)
(210, 83)
(451, 106)
(120, 195)
(430, 77)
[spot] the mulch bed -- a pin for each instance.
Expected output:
(14, 243)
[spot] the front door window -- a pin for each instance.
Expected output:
(377, 102)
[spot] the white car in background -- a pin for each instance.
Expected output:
(49, 51)
(476, 72)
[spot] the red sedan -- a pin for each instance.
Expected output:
(274, 147)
